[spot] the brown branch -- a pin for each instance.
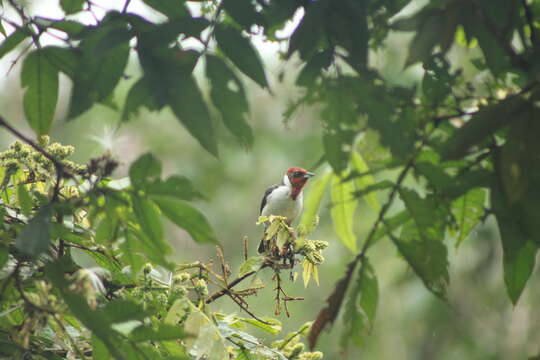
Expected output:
(329, 313)
(245, 308)
(232, 284)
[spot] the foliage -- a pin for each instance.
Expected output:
(134, 301)
(454, 149)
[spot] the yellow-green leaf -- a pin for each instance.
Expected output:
(313, 201)
(343, 207)
(362, 182)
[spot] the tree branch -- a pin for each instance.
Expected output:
(232, 284)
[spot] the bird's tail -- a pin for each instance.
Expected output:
(263, 245)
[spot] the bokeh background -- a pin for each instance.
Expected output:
(477, 322)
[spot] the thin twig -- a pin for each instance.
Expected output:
(232, 284)
(126, 4)
(243, 307)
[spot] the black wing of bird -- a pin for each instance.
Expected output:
(266, 193)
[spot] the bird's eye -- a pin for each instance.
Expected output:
(297, 174)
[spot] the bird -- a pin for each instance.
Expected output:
(285, 199)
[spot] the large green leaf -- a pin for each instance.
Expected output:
(314, 196)
(468, 211)
(241, 52)
(424, 41)
(305, 38)
(40, 78)
(14, 39)
(229, 97)
(148, 217)
(139, 95)
(118, 311)
(342, 211)
(365, 181)
(34, 238)
(154, 250)
(105, 52)
(162, 333)
(186, 217)
(484, 123)
(170, 8)
(428, 214)
(243, 12)
(66, 60)
(171, 82)
(519, 249)
(361, 306)
(176, 186)
(427, 257)
(145, 170)
(71, 6)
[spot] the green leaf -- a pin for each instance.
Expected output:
(163, 332)
(170, 8)
(468, 211)
(14, 39)
(99, 350)
(227, 94)
(25, 200)
(176, 186)
(104, 54)
(515, 160)
(138, 96)
(308, 33)
(243, 12)
(34, 238)
(273, 326)
(342, 211)
(66, 60)
(241, 53)
(519, 251)
(118, 311)
(424, 41)
(172, 83)
(365, 181)
(428, 214)
(484, 123)
(188, 105)
(148, 217)
(154, 250)
(145, 170)
(254, 263)
(427, 257)
(243, 354)
(210, 343)
(4, 256)
(361, 306)
(40, 78)
(314, 67)
(391, 224)
(70, 27)
(313, 200)
(71, 6)
(186, 217)
(382, 185)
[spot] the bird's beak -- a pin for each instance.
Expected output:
(308, 175)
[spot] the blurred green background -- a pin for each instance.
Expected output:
(477, 322)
